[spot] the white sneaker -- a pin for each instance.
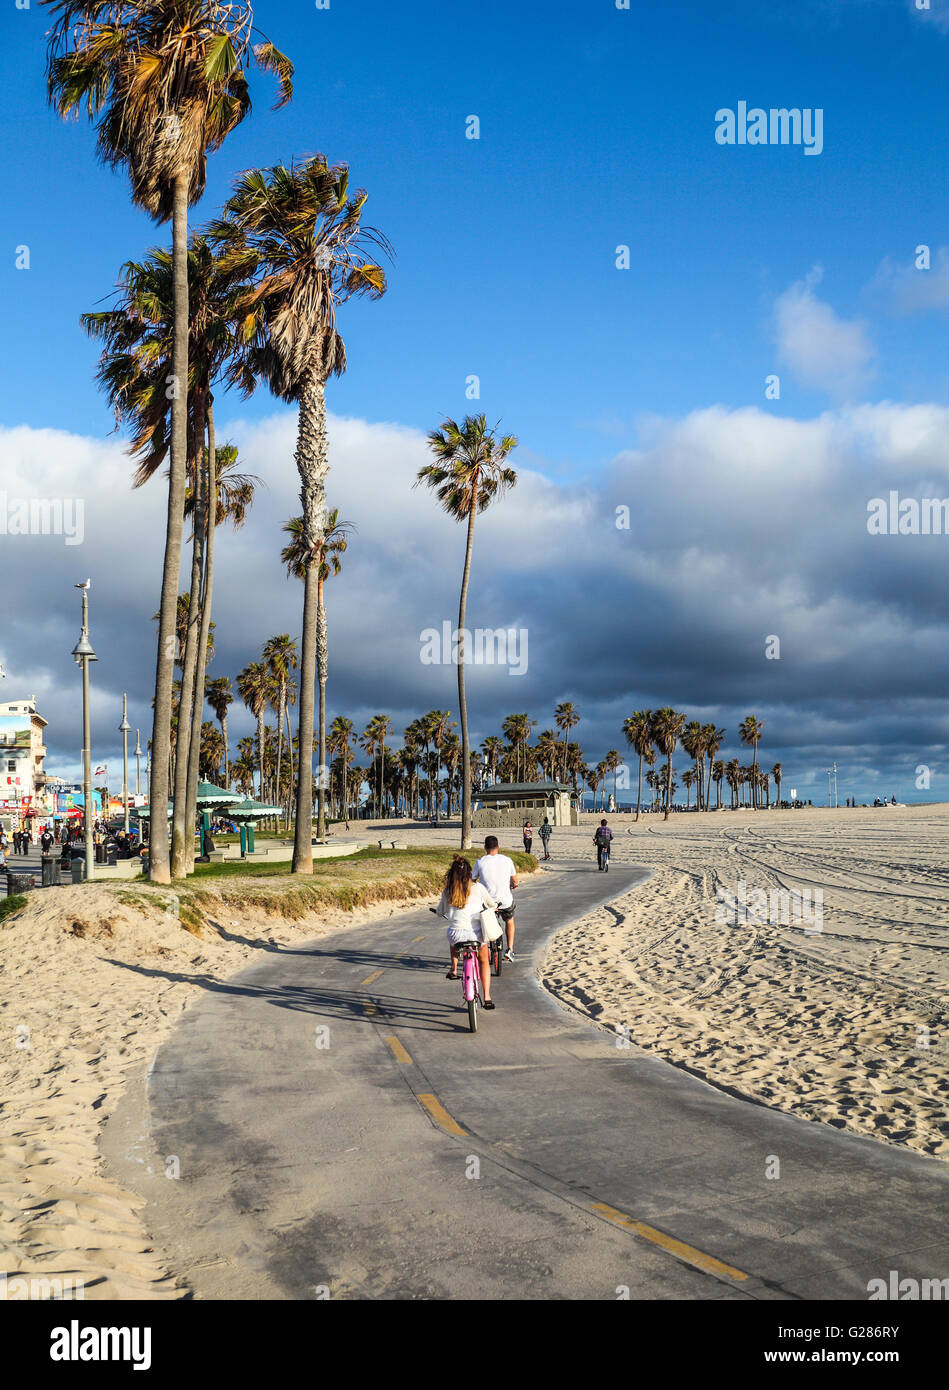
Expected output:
(509, 955)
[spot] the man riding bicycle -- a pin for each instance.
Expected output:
(602, 840)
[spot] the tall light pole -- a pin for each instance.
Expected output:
(138, 762)
(125, 729)
(83, 653)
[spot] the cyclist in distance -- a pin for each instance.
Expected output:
(602, 840)
(462, 903)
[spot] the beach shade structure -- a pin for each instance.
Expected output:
(143, 812)
(249, 809)
(209, 796)
(245, 813)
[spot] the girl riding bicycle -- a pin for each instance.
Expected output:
(462, 903)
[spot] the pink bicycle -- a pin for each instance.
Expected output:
(472, 988)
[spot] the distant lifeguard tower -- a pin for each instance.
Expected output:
(510, 804)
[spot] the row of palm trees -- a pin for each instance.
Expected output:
(649, 732)
(252, 299)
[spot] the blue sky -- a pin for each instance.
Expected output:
(643, 387)
(597, 128)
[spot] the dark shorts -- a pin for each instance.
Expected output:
(506, 913)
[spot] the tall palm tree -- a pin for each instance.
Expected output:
(469, 473)
(749, 731)
(280, 656)
(341, 731)
(492, 747)
(253, 686)
(717, 769)
(613, 762)
(219, 694)
(667, 726)
(134, 367)
(333, 545)
(517, 730)
(714, 738)
(777, 772)
(439, 724)
(165, 84)
(638, 733)
(566, 718)
(689, 778)
(300, 233)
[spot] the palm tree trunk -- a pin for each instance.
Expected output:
(322, 653)
(639, 794)
(227, 771)
(312, 459)
(290, 793)
(668, 785)
(462, 702)
(159, 870)
(182, 834)
(260, 749)
(208, 518)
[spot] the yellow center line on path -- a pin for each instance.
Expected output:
(398, 1051)
(440, 1115)
(369, 978)
(369, 1007)
(417, 938)
(674, 1247)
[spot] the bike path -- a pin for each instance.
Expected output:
(340, 1132)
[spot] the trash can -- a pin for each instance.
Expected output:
(50, 870)
(78, 868)
(100, 854)
(18, 883)
(111, 854)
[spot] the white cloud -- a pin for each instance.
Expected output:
(822, 350)
(742, 524)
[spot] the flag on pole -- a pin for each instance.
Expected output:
(100, 770)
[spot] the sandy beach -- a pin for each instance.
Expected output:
(847, 1025)
(829, 1026)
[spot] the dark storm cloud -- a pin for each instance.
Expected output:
(741, 526)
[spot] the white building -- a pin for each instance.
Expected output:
(22, 750)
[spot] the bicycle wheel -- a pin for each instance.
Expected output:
(473, 1015)
(497, 954)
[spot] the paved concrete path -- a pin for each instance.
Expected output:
(410, 1159)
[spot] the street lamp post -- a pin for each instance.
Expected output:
(138, 762)
(125, 729)
(84, 653)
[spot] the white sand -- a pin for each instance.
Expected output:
(830, 1026)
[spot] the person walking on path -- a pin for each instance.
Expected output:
(528, 837)
(545, 837)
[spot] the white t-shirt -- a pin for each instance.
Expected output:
(495, 871)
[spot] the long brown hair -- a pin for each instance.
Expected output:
(458, 881)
